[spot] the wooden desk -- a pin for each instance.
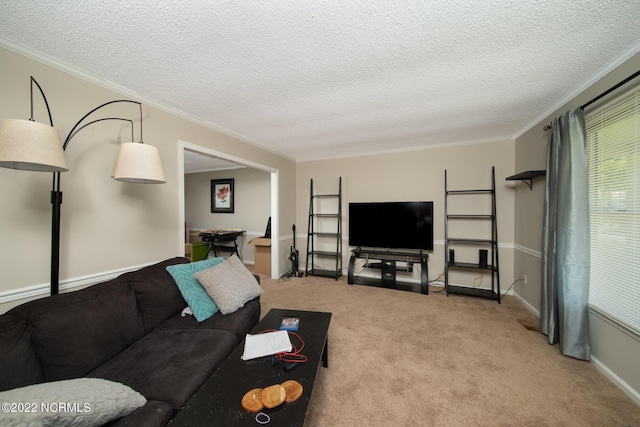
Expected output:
(216, 237)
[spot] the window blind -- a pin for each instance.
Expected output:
(613, 146)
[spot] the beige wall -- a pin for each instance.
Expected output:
(252, 204)
(416, 176)
(607, 340)
(107, 226)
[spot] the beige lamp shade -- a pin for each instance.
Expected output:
(138, 163)
(29, 145)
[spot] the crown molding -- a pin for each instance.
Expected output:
(76, 72)
(621, 59)
(434, 146)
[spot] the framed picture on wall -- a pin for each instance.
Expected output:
(222, 195)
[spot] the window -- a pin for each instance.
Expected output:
(613, 144)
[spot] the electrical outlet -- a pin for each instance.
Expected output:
(524, 278)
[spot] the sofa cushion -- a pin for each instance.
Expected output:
(156, 291)
(240, 323)
(169, 365)
(19, 363)
(78, 331)
(192, 291)
(230, 284)
(93, 402)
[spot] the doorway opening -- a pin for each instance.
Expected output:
(217, 156)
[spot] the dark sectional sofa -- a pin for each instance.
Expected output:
(128, 330)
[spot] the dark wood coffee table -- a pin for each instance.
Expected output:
(218, 402)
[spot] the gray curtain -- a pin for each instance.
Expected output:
(565, 239)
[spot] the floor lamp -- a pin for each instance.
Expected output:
(29, 145)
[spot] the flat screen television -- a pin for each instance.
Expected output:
(392, 225)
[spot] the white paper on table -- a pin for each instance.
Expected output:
(266, 344)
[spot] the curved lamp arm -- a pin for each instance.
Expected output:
(75, 129)
(73, 133)
(46, 103)
(79, 126)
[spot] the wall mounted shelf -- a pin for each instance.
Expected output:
(527, 176)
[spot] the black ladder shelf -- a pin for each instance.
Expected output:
(324, 235)
(489, 264)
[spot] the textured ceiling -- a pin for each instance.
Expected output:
(317, 79)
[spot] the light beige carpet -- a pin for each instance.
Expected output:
(405, 359)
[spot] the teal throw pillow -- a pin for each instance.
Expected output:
(192, 291)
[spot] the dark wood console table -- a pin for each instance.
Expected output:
(387, 263)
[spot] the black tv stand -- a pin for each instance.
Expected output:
(387, 263)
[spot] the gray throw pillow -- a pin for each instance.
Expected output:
(200, 303)
(77, 402)
(229, 284)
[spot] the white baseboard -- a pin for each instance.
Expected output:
(619, 382)
(630, 391)
(42, 290)
(528, 306)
